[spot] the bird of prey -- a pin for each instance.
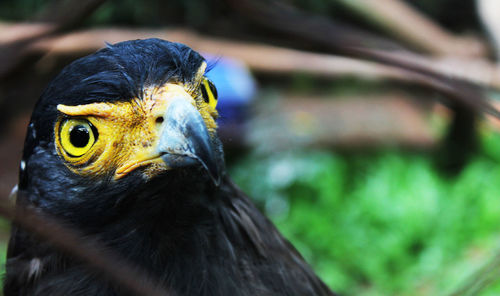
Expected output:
(122, 145)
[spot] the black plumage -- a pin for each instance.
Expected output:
(193, 235)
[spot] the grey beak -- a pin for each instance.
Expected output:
(185, 141)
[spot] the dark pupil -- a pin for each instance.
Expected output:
(79, 136)
(213, 89)
(204, 94)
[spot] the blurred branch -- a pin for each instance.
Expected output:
(13, 34)
(489, 12)
(85, 249)
(59, 15)
(413, 27)
(259, 57)
(321, 32)
(480, 279)
(347, 123)
(268, 58)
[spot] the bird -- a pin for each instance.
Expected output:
(122, 145)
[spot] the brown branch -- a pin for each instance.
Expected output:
(350, 122)
(59, 16)
(266, 58)
(324, 34)
(414, 28)
(480, 279)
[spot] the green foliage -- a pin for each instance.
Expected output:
(18, 10)
(383, 224)
(197, 13)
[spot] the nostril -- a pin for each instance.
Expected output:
(159, 119)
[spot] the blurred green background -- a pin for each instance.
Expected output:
(372, 219)
(382, 223)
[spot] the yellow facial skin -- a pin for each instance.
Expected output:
(128, 132)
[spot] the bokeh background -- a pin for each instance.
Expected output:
(386, 186)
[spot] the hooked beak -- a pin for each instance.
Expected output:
(185, 141)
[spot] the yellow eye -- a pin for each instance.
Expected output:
(77, 136)
(209, 92)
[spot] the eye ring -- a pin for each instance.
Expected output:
(209, 92)
(77, 136)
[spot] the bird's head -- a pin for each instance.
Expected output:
(131, 116)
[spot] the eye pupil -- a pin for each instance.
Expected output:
(76, 137)
(204, 94)
(213, 89)
(79, 136)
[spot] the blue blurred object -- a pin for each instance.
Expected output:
(236, 88)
